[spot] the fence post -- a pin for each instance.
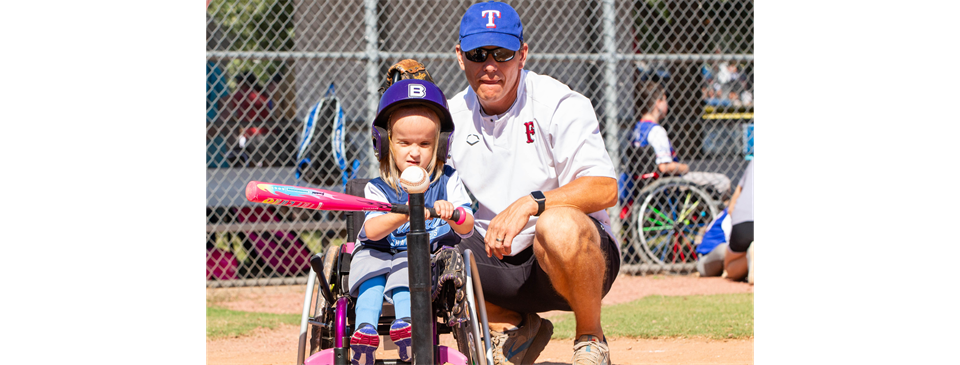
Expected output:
(372, 68)
(611, 122)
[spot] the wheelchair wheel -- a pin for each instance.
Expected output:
(323, 337)
(672, 215)
(473, 336)
(630, 251)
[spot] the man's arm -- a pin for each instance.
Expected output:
(587, 193)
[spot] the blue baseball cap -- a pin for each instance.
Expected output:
(491, 24)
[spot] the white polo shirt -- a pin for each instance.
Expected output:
(549, 137)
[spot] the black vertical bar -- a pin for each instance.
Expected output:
(418, 260)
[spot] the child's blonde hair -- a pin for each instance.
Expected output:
(388, 166)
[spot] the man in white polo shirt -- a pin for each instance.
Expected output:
(530, 151)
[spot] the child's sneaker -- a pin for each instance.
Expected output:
(363, 344)
(401, 333)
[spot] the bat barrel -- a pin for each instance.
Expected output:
(251, 191)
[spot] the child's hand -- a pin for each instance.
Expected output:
(444, 209)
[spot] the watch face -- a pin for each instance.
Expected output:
(538, 195)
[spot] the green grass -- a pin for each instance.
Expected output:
(229, 323)
(712, 316)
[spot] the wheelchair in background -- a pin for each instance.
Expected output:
(664, 217)
(328, 317)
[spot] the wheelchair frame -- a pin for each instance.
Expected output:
(332, 310)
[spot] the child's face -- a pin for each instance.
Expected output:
(412, 139)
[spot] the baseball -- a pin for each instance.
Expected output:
(415, 180)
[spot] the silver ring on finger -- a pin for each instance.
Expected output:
(499, 239)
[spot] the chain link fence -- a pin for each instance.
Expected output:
(270, 61)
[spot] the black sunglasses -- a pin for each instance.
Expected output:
(480, 55)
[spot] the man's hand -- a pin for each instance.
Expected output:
(587, 193)
(506, 225)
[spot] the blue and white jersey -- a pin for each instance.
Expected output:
(649, 133)
(448, 187)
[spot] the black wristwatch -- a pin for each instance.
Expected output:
(541, 201)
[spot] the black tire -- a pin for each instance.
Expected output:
(323, 337)
(670, 220)
(466, 343)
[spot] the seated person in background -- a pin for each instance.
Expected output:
(248, 103)
(738, 261)
(647, 132)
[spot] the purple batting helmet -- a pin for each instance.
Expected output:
(413, 92)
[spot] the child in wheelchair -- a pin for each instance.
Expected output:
(649, 136)
(665, 206)
(412, 128)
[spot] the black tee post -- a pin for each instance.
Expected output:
(418, 259)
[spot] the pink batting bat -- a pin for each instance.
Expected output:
(318, 199)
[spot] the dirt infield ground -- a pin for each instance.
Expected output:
(279, 346)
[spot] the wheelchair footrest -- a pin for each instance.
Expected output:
(451, 356)
(446, 355)
(322, 357)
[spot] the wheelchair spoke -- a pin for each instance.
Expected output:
(655, 210)
(672, 221)
(672, 201)
(664, 249)
(687, 211)
(657, 228)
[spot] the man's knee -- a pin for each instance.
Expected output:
(566, 229)
(567, 239)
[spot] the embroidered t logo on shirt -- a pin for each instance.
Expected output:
(530, 131)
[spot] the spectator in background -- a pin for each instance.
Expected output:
(723, 73)
(746, 97)
(713, 97)
(727, 73)
(248, 103)
(734, 99)
(738, 261)
(217, 91)
(272, 93)
(710, 96)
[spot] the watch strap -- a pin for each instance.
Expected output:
(541, 202)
